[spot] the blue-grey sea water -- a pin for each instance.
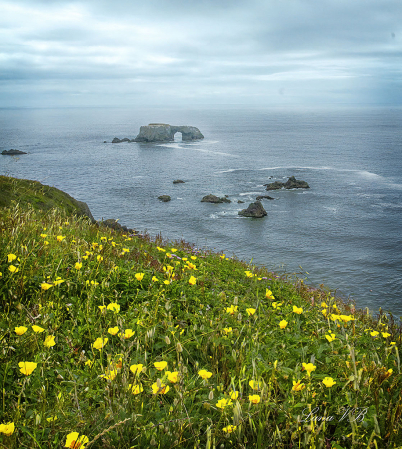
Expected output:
(345, 231)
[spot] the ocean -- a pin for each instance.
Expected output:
(343, 232)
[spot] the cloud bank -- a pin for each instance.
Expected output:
(293, 52)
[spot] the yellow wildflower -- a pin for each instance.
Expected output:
(227, 330)
(374, 333)
(102, 308)
(20, 330)
(222, 403)
(250, 311)
(232, 309)
(249, 274)
(128, 333)
(109, 375)
(43, 236)
(297, 310)
(328, 382)
(229, 429)
(114, 307)
(99, 258)
(49, 341)
(136, 369)
(27, 367)
(234, 395)
(163, 389)
(309, 367)
(385, 334)
(37, 329)
(7, 429)
(45, 286)
(100, 343)
(73, 441)
(204, 374)
(11, 257)
(139, 276)
(113, 330)
(254, 398)
(160, 365)
(60, 238)
(172, 376)
(254, 385)
(192, 280)
(136, 389)
(154, 279)
(78, 266)
(331, 337)
(283, 324)
(13, 269)
(268, 294)
(298, 386)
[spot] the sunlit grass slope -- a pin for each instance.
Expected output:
(109, 340)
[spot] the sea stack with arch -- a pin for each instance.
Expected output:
(161, 132)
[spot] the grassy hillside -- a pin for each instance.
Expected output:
(41, 197)
(109, 340)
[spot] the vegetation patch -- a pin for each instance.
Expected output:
(116, 340)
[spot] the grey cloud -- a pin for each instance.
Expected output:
(295, 49)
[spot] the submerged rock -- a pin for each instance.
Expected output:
(291, 183)
(178, 181)
(164, 198)
(255, 210)
(264, 197)
(12, 152)
(214, 199)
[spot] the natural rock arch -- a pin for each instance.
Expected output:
(161, 132)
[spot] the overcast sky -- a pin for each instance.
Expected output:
(200, 52)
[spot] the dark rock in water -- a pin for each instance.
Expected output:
(12, 152)
(254, 210)
(240, 201)
(164, 198)
(117, 140)
(291, 183)
(264, 197)
(214, 199)
(104, 141)
(178, 181)
(275, 185)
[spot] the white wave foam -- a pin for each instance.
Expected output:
(249, 193)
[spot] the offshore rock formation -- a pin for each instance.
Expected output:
(254, 210)
(161, 132)
(215, 199)
(291, 183)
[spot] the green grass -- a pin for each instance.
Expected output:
(33, 194)
(192, 328)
